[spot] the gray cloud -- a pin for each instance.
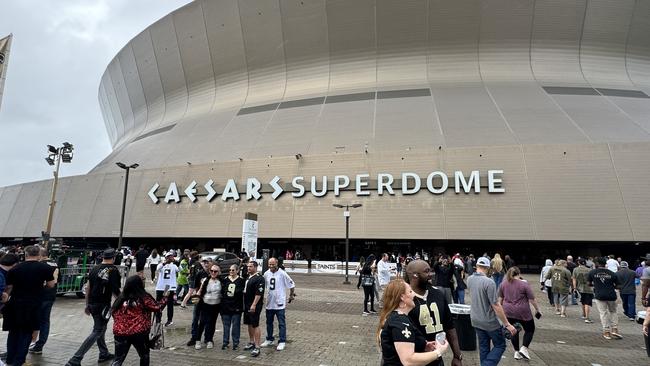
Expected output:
(59, 53)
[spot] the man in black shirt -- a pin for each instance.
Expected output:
(604, 283)
(444, 272)
(431, 313)
(627, 290)
(21, 314)
(49, 295)
(253, 299)
(103, 284)
(141, 260)
(198, 272)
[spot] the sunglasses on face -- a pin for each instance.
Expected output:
(213, 271)
(231, 270)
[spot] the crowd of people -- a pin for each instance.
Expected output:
(414, 324)
(28, 289)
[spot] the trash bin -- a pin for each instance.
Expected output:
(463, 324)
(640, 318)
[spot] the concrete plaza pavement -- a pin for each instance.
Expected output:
(325, 327)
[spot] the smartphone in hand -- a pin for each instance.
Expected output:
(538, 315)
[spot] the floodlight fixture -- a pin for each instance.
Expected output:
(121, 165)
(49, 160)
(337, 205)
(51, 149)
(356, 205)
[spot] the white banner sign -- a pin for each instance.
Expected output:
(249, 238)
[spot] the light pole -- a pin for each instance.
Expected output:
(126, 186)
(55, 156)
(346, 213)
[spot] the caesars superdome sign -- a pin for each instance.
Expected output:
(436, 183)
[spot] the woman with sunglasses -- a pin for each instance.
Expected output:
(401, 341)
(210, 299)
(232, 303)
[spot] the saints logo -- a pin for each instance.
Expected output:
(406, 332)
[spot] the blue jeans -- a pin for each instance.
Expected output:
(235, 321)
(629, 305)
(282, 324)
(17, 346)
(196, 315)
(97, 335)
(460, 295)
(497, 277)
(490, 357)
(44, 331)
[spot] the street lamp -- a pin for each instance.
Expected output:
(346, 213)
(55, 156)
(126, 185)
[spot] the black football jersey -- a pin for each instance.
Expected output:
(431, 315)
(399, 328)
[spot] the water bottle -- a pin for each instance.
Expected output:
(441, 338)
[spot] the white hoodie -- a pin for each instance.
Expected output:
(542, 276)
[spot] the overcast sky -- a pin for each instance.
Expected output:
(59, 53)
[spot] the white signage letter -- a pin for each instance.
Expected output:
(492, 181)
(211, 191)
(340, 181)
(313, 187)
(190, 191)
(443, 187)
(152, 193)
(172, 193)
(474, 180)
(299, 187)
(381, 184)
(277, 190)
(253, 189)
(360, 184)
(416, 180)
(230, 191)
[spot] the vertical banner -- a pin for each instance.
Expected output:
(249, 235)
(5, 45)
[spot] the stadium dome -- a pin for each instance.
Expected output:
(536, 114)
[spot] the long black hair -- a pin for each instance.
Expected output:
(133, 293)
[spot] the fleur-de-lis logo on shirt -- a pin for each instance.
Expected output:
(406, 332)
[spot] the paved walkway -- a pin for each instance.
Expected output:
(325, 327)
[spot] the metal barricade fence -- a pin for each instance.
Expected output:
(73, 279)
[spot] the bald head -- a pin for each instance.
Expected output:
(273, 264)
(418, 274)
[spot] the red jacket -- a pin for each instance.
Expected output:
(135, 318)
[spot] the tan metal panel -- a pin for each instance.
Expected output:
(469, 117)
(202, 218)
(489, 216)
(637, 55)
(170, 68)
(453, 41)
(22, 210)
(351, 34)
(306, 48)
(637, 109)
(114, 107)
(104, 219)
(122, 96)
(632, 165)
(262, 29)
(76, 210)
(37, 222)
(195, 56)
(604, 36)
(401, 43)
(555, 47)
(224, 31)
(108, 116)
(532, 115)
(296, 123)
(575, 196)
(133, 88)
(316, 218)
(504, 47)
(601, 120)
(274, 216)
(9, 198)
(245, 129)
(355, 119)
(145, 60)
(143, 218)
(404, 217)
(406, 124)
(201, 144)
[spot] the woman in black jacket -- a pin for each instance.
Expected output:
(367, 281)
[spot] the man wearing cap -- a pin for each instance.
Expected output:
(166, 274)
(627, 290)
(486, 312)
(103, 283)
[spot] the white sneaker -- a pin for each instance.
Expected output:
(518, 356)
(280, 346)
(524, 352)
(266, 343)
(197, 345)
(209, 345)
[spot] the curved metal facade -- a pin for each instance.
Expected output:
(554, 92)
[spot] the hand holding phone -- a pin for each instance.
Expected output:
(538, 315)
